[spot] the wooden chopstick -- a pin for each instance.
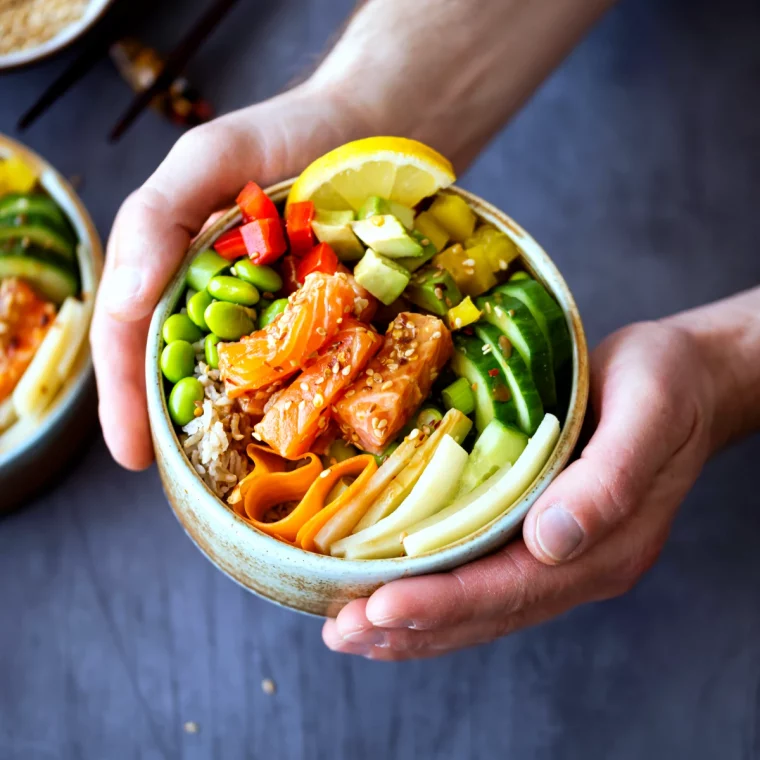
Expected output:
(175, 63)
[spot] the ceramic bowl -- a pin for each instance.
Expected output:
(67, 35)
(30, 461)
(313, 583)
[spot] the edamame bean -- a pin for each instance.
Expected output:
(184, 399)
(180, 327)
(212, 353)
(189, 293)
(204, 266)
(229, 321)
(264, 278)
(197, 305)
(177, 361)
(233, 290)
(271, 312)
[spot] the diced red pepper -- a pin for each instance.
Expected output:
(493, 372)
(298, 221)
(319, 259)
(264, 240)
(289, 277)
(256, 204)
(231, 245)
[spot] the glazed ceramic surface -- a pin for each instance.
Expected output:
(315, 583)
(38, 451)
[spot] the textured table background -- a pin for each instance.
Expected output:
(638, 167)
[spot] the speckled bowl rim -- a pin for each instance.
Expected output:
(67, 36)
(488, 538)
(90, 260)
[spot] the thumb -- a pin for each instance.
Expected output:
(643, 400)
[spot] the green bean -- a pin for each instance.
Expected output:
(180, 327)
(264, 278)
(233, 290)
(212, 353)
(229, 321)
(196, 306)
(271, 312)
(204, 266)
(177, 360)
(184, 399)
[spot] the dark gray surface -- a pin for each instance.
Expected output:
(638, 166)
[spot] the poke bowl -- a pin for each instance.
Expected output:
(362, 374)
(50, 264)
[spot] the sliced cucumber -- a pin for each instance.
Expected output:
(497, 446)
(17, 205)
(547, 313)
(530, 410)
(514, 319)
(493, 399)
(50, 240)
(48, 277)
(37, 220)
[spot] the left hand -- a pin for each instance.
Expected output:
(594, 532)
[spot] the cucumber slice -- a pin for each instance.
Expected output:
(514, 319)
(530, 410)
(48, 277)
(493, 399)
(37, 220)
(16, 205)
(491, 499)
(547, 313)
(46, 238)
(498, 445)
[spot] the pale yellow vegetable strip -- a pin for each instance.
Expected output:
(7, 414)
(478, 509)
(342, 523)
(432, 491)
(455, 424)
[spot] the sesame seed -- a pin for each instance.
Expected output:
(425, 241)
(304, 387)
(318, 400)
(350, 393)
(256, 436)
(378, 221)
(414, 434)
(346, 371)
(335, 369)
(487, 348)
(394, 367)
(503, 264)
(387, 384)
(438, 293)
(287, 405)
(335, 408)
(319, 381)
(410, 325)
(301, 405)
(409, 352)
(468, 263)
(377, 378)
(321, 331)
(436, 335)
(382, 424)
(339, 320)
(488, 307)
(458, 322)
(499, 311)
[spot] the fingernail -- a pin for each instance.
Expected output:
(558, 533)
(394, 623)
(121, 287)
(367, 636)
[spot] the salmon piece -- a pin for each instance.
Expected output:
(381, 402)
(303, 411)
(325, 439)
(24, 321)
(255, 403)
(312, 317)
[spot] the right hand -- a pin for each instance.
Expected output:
(202, 174)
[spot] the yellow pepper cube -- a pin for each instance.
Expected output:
(469, 268)
(454, 215)
(426, 224)
(463, 314)
(499, 248)
(16, 176)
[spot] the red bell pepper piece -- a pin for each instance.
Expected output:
(256, 204)
(289, 277)
(264, 240)
(231, 245)
(319, 259)
(298, 221)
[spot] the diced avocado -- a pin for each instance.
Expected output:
(429, 227)
(493, 399)
(454, 215)
(334, 228)
(387, 236)
(469, 268)
(433, 289)
(377, 206)
(384, 278)
(428, 252)
(497, 446)
(463, 314)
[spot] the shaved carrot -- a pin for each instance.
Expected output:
(264, 462)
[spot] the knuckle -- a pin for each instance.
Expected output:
(630, 571)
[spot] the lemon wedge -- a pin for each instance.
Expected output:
(396, 168)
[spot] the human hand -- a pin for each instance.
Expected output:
(202, 174)
(598, 527)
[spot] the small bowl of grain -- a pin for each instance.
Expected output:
(35, 29)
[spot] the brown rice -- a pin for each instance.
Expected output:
(28, 23)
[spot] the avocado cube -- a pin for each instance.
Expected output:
(334, 228)
(381, 276)
(377, 206)
(428, 251)
(454, 215)
(433, 289)
(387, 236)
(403, 213)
